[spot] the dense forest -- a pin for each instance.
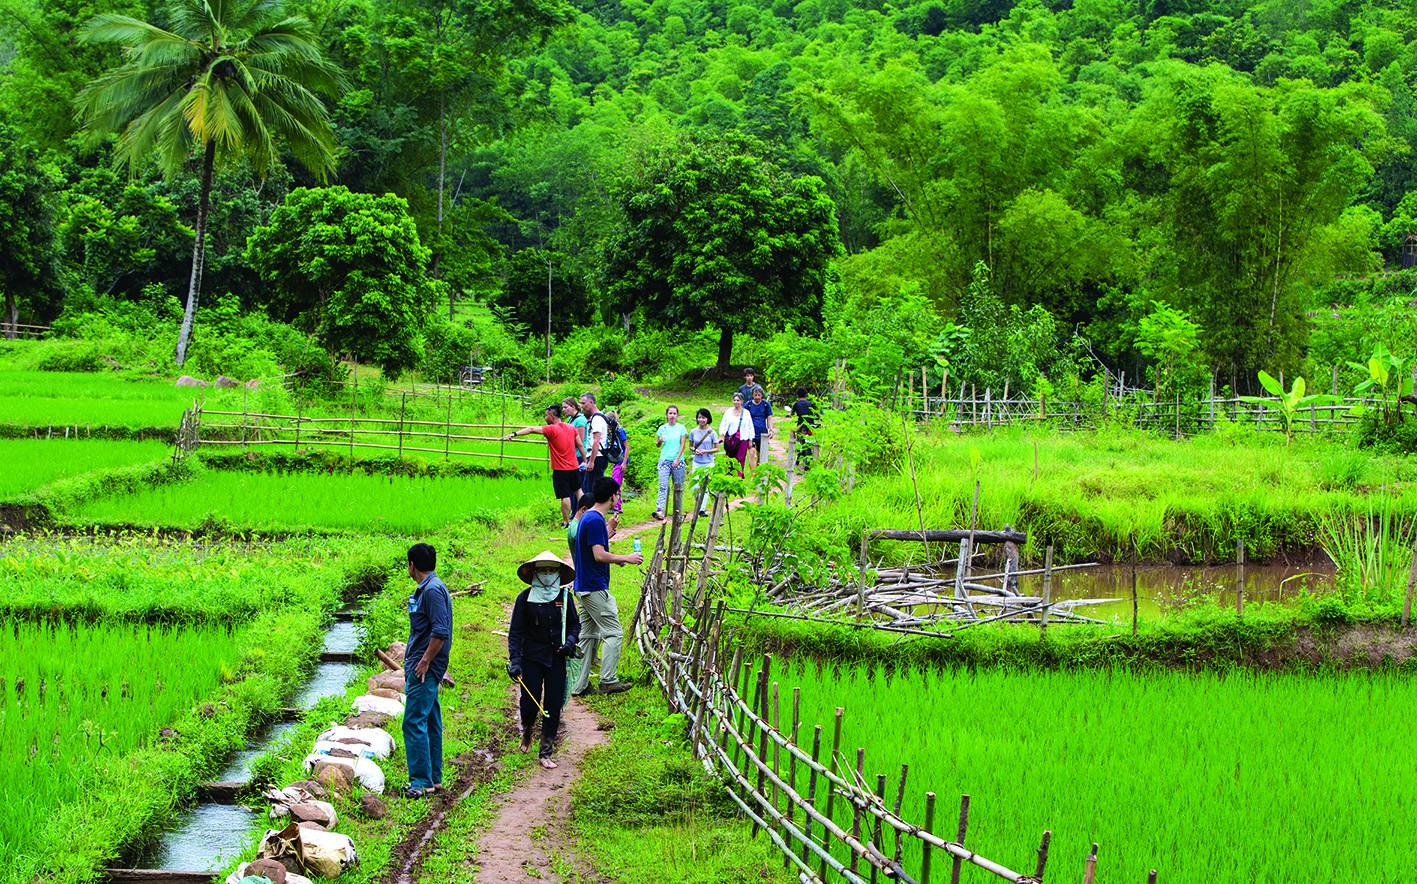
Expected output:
(1013, 192)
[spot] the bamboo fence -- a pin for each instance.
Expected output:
(14, 330)
(201, 426)
(798, 796)
(965, 405)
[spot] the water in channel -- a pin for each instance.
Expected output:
(208, 836)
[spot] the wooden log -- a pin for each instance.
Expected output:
(1042, 856)
(950, 535)
(812, 784)
(1411, 582)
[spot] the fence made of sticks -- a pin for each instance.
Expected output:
(12, 330)
(963, 404)
(354, 434)
(813, 798)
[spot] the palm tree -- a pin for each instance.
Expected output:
(230, 80)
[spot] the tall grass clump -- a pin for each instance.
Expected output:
(74, 699)
(1093, 492)
(1216, 777)
(1371, 550)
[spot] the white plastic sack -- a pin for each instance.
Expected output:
(321, 812)
(380, 741)
(327, 853)
(290, 877)
(384, 705)
(365, 771)
(360, 750)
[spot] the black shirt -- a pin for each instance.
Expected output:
(806, 415)
(535, 630)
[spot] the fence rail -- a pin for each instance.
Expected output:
(800, 797)
(12, 330)
(247, 429)
(1182, 417)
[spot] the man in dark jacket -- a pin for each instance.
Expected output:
(542, 635)
(430, 637)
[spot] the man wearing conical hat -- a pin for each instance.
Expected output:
(542, 635)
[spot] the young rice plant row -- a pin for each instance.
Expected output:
(75, 699)
(33, 463)
(1236, 777)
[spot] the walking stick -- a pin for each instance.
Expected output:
(544, 713)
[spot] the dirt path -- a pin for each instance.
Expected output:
(529, 837)
(777, 453)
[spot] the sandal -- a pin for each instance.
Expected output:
(548, 763)
(410, 792)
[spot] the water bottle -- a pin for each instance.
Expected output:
(638, 546)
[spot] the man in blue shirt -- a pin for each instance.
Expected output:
(430, 636)
(600, 619)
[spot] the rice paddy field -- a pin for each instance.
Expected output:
(1183, 501)
(297, 502)
(1235, 777)
(147, 579)
(72, 702)
(87, 399)
(33, 463)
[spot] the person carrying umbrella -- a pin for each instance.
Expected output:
(542, 635)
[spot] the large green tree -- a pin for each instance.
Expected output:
(28, 270)
(238, 80)
(714, 235)
(349, 268)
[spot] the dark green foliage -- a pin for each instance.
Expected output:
(717, 236)
(349, 268)
(29, 275)
(525, 293)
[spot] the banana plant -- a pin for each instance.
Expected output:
(1390, 378)
(1290, 402)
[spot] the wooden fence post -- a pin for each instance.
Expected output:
(1047, 590)
(861, 582)
(403, 404)
(448, 429)
(502, 443)
(1411, 581)
(1134, 583)
(925, 845)
(1089, 869)
(1240, 577)
(299, 416)
(1042, 856)
(959, 833)
(831, 792)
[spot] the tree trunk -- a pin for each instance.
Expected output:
(199, 247)
(12, 315)
(725, 348)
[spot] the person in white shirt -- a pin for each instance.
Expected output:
(597, 437)
(736, 430)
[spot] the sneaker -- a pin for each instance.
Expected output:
(584, 693)
(615, 687)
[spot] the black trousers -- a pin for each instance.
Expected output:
(593, 472)
(547, 684)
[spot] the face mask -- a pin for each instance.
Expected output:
(545, 586)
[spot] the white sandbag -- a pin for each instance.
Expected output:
(365, 771)
(358, 750)
(314, 811)
(381, 741)
(371, 703)
(327, 854)
(290, 877)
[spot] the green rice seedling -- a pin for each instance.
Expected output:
(33, 463)
(299, 502)
(76, 699)
(148, 579)
(82, 399)
(1229, 777)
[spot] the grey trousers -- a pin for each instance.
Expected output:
(600, 623)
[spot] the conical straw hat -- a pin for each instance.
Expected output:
(545, 557)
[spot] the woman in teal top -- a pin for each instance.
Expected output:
(673, 438)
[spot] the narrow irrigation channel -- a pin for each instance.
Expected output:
(217, 830)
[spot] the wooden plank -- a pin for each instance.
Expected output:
(951, 535)
(222, 791)
(157, 876)
(338, 657)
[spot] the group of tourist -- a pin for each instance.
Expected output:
(567, 611)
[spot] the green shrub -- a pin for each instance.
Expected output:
(617, 392)
(446, 349)
(792, 360)
(588, 353)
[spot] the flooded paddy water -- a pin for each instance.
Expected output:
(1169, 589)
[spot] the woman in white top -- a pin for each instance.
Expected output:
(737, 424)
